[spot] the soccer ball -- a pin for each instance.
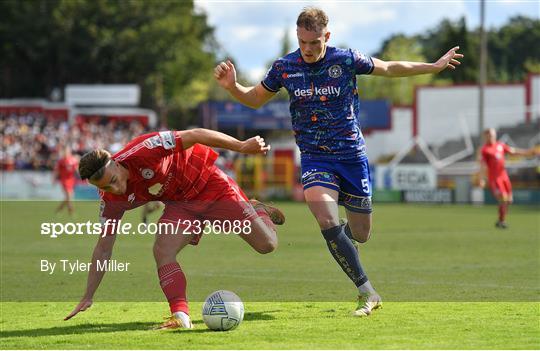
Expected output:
(223, 310)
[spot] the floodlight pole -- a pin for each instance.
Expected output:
(482, 70)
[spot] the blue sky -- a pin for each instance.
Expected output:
(251, 31)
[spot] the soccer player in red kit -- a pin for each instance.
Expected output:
(64, 172)
(492, 163)
(176, 168)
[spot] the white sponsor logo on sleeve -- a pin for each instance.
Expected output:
(167, 139)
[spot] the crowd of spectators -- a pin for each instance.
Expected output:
(31, 141)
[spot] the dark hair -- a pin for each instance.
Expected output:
(92, 164)
(312, 18)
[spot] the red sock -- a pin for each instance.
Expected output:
(173, 283)
(266, 219)
(503, 208)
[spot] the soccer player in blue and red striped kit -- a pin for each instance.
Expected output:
(324, 105)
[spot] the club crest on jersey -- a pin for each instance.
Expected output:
(365, 202)
(155, 189)
(131, 197)
(147, 173)
(335, 71)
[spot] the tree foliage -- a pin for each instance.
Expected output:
(513, 49)
(168, 48)
(164, 46)
(447, 35)
(513, 52)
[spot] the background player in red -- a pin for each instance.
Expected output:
(492, 164)
(64, 172)
(176, 168)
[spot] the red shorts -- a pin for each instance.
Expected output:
(221, 200)
(68, 184)
(501, 186)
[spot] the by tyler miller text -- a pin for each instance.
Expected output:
(74, 266)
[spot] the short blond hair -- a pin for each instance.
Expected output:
(92, 164)
(313, 19)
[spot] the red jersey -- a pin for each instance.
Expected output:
(159, 170)
(493, 158)
(66, 167)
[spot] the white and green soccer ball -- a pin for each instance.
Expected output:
(223, 310)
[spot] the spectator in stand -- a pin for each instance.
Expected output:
(31, 141)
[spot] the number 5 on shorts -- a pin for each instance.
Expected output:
(365, 185)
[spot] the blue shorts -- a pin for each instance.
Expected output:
(350, 178)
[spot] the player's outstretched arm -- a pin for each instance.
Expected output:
(255, 145)
(523, 152)
(254, 97)
(102, 251)
(406, 68)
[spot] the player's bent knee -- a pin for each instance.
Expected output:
(268, 244)
(363, 237)
(326, 222)
(262, 237)
(361, 234)
(266, 248)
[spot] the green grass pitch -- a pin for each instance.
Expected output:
(449, 279)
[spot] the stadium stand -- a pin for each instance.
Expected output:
(30, 141)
